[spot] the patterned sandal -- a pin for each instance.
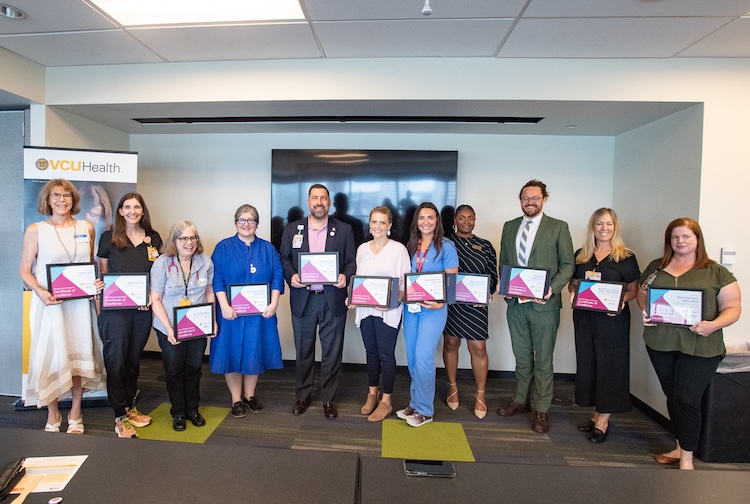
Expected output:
(75, 426)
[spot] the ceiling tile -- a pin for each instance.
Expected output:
(731, 41)
(53, 16)
(80, 48)
(223, 43)
(419, 38)
(636, 8)
(340, 10)
(605, 37)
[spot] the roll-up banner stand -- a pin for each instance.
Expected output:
(102, 178)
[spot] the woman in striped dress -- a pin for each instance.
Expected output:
(470, 322)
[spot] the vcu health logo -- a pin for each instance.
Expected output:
(42, 164)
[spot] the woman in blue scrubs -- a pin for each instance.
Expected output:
(430, 252)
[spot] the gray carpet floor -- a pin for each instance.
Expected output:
(634, 437)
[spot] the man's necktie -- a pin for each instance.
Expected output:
(522, 252)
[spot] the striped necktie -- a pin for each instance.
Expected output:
(522, 252)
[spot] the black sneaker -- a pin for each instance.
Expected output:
(238, 410)
(253, 404)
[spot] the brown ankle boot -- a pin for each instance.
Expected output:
(370, 405)
(380, 413)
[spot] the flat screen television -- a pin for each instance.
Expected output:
(360, 180)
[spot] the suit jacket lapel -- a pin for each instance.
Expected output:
(543, 225)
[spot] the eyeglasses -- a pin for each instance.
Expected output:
(185, 239)
(533, 199)
(246, 221)
(56, 196)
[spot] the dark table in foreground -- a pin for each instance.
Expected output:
(135, 470)
(383, 480)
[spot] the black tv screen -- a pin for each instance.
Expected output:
(360, 180)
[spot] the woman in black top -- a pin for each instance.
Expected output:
(475, 255)
(130, 247)
(602, 339)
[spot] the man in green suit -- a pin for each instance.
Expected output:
(537, 241)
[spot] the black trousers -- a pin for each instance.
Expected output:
(684, 379)
(182, 365)
(317, 317)
(380, 348)
(602, 360)
(124, 334)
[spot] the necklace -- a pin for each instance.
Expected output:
(75, 242)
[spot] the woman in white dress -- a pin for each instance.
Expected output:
(66, 353)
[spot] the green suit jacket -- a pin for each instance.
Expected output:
(552, 250)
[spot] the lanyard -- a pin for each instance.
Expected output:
(186, 279)
(420, 259)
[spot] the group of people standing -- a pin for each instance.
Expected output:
(68, 343)
(74, 348)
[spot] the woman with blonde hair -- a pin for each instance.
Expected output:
(603, 339)
(381, 256)
(182, 276)
(66, 353)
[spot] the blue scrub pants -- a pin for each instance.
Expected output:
(422, 333)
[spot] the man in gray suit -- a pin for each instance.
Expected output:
(536, 241)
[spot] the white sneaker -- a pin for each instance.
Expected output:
(405, 413)
(418, 420)
(124, 428)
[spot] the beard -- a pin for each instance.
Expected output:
(319, 211)
(531, 210)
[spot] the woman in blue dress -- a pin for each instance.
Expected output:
(424, 322)
(246, 346)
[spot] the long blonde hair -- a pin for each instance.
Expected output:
(619, 250)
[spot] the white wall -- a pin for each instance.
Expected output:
(657, 176)
(63, 129)
(22, 76)
(204, 178)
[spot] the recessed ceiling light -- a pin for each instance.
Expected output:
(171, 12)
(570, 126)
(11, 12)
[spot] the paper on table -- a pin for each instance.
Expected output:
(56, 472)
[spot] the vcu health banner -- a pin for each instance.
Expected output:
(101, 178)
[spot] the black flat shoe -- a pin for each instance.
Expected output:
(587, 427)
(197, 419)
(252, 404)
(238, 410)
(598, 436)
(178, 423)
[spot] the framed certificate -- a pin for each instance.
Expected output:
(523, 282)
(472, 288)
(249, 299)
(195, 321)
(599, 296)
(370, 291)
(318, 267)
(682, 307)
(123, 291)
(425, 287)
(72, 280)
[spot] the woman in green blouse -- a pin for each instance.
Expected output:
(685, 357)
